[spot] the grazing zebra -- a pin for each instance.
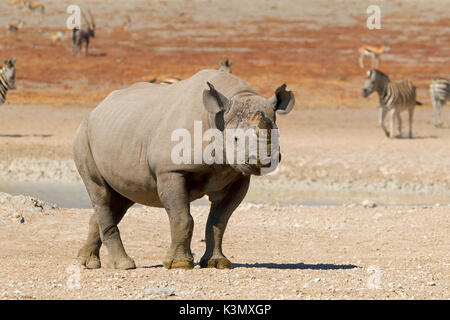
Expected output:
(7, 78)
(395, 97)
(440, 92)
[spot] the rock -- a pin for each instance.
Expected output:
(368, 204)
(24, 203)
(160, 291)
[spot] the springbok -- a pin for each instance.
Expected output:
(18, 2)
(372, 51)
(57, 36)
(35, 7)
(225, 66)
(83, 35)
(126, 25)
(395, 97)
(14, 28)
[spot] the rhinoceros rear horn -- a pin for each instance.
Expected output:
(283, 101)
(214, 101)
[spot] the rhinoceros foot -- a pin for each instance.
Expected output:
(219, 263)
(89, 259)
(124, 263)
(179, 264)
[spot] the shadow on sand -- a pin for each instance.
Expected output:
(25, 135)
(283, 266)
(297, 266)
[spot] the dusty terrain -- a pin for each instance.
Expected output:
(289, 252)
(334, 153)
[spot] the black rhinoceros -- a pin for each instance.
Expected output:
(124, 153)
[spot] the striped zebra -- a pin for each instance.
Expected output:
(395, 97)
(440, 92)
(7, 78)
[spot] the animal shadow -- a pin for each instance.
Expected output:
(296, 266)
(18, 135)
(417, 137)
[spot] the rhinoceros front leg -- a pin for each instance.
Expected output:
(221, 210)
(174, 196)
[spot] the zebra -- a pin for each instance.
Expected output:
(7, 78)
(440, 92)
(83, 35)
(394, 97)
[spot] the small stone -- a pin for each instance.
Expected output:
(160, 291)
(368, 204)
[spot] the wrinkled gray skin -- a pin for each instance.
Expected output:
(123, 153)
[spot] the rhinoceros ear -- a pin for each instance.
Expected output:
(283, 101)
(214, 101)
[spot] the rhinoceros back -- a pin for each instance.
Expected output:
(130, 131)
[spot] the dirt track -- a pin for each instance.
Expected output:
(278, 253)
(333, 151)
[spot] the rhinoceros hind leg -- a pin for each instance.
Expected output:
(109, 207)
(89, 254)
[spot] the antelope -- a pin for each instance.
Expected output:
(394, 97)
(126, 25)
(83, 35)
(18, 2)
(7, 78)
(35, 7)
(225, 66)
(57, 36)
(372, 51)
(440, 93)
(14, 28)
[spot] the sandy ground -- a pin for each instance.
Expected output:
(291, 252)
(334, 155)
(333, 152)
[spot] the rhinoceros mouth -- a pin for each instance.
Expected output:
(256, 170)
(249, 169)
